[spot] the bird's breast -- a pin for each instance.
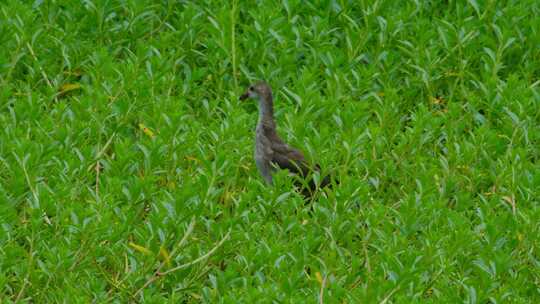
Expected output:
(263, 146)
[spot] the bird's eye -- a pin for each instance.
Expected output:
(251, 89)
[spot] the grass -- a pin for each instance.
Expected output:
(124, 150)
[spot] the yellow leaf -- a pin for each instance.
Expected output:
(510, 200)
(66, 87)
(319, 278)
(146, 130)
(75, 73)
(437, 100)
(192, 158)
(140, 248)
(165, 255)
(196, 296)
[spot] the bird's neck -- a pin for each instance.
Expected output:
(266, 111)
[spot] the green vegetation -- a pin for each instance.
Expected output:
(124, 147)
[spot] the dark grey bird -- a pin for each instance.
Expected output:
(271, 152)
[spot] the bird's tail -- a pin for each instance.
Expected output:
(311, 187)
(325, 181)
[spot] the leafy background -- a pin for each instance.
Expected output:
(124, 150)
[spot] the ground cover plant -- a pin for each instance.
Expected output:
(126, 167)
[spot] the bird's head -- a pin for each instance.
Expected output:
(260, 90)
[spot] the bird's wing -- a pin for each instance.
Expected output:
(286, 157)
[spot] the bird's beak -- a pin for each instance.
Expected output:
(244, 96)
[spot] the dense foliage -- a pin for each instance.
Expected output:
(124, 150)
